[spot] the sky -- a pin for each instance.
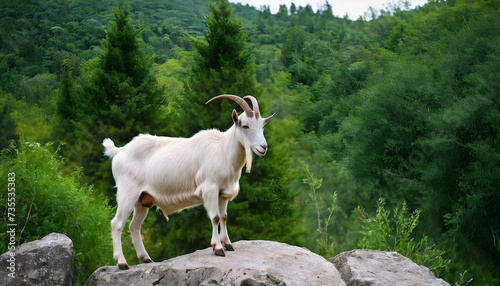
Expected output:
(354, 8)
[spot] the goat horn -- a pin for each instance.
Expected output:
(255, 105)
(241, 102)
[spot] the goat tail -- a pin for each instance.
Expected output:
(110, 149)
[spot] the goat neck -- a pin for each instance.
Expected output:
(237, 153)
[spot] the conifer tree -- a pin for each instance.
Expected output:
(67, 105)
(222, 66)
(123, 87)
(121, 96)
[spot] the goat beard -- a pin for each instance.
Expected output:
(249, 158)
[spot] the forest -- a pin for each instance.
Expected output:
(386, 134)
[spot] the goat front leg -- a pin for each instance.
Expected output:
(211, 203)
(224, 238)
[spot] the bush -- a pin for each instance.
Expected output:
(386, 234)
(47, 200)
(326, 248)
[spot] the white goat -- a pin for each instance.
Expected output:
(176, 173)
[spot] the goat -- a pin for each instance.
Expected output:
(177, 173)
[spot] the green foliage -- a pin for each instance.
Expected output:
(225, 46)
(395, 234)
(120, 99)
(7, 124)
(463, 280)
(122, 83)
(326, 248)
(404, 106)
(46, 201)
(221, 66)
(67, 105)
(33, 121)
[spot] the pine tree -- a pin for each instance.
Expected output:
(67, 105)
(222, 66)
(121, 96)
(123, 87)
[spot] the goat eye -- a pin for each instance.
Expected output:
(245, 127)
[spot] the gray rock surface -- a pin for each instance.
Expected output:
(252, 263)
(365, 267)
(48, 261)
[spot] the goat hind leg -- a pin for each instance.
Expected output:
(140, 213)
(122, 212)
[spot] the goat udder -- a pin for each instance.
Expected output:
(146, 200)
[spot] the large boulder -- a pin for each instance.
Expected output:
(48, 261)
(252, 263)
(378, 268)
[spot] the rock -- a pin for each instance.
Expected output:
(253, 263)
(373, 268)
(48, 261)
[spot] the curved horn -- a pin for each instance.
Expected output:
(267, 119)
(255, 105)
(241, 102)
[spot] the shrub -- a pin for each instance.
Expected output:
(325, 240)
(395, 234)
(47, 200)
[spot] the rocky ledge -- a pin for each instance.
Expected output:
(273, 263)
(380, 268)
(49, 261)
(252, 263)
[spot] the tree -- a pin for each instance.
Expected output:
(221, 66)
(293, 47)
(283, 12)
(466, 144)
(293, 9)
(121, 98)
(122, 78)
(67, 103)
(7, 124)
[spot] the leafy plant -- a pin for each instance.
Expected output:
(47, 200)
(395, 233)
(463, 280)
(326, 248)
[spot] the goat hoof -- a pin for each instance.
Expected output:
(123, 266)
(219, 252)
(147, 260)
(228, 247)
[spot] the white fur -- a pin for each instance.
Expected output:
(180, 173)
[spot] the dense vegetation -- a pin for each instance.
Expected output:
(387, 133)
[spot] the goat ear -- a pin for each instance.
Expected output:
(235, 116)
